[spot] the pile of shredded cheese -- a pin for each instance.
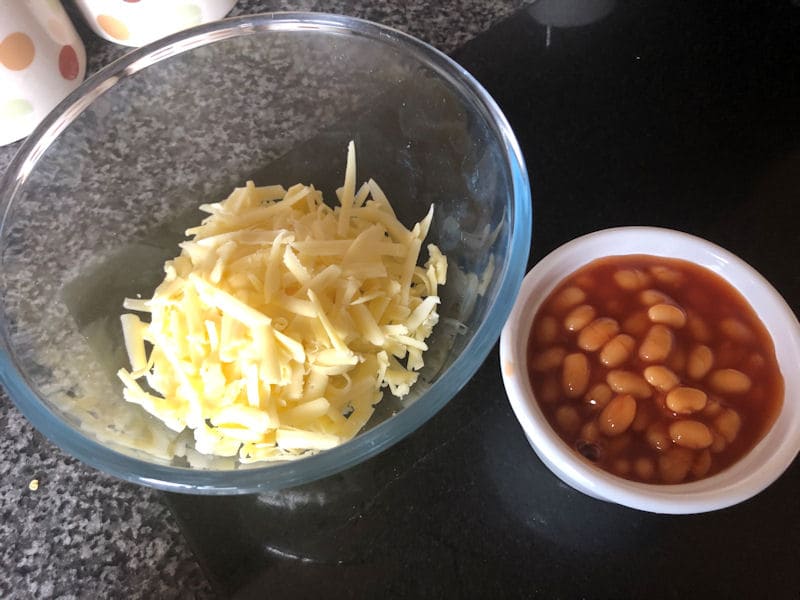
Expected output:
(282, 319)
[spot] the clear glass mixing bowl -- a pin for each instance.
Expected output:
(99, 196)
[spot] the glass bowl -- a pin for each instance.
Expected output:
(100, 195)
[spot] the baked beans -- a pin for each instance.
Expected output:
(575, 375)
(618, 415)
(657, 344)
(579, 317)
(686, 400)
(661, 378)
(617, 350)
(700, 361)
(690, 434)
(599, 395)
(597, 333)
(667, 314)
(655, 369)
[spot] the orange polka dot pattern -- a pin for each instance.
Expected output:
(113, 27)
(17, 51)
(57, 55)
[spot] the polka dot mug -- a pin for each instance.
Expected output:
(42, 59)
(138, 22)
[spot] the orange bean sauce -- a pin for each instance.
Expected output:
(725, 412)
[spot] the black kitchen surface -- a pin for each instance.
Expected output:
(683, 115)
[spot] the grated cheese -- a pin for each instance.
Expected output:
(276, 329)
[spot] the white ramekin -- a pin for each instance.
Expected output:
(758, 469)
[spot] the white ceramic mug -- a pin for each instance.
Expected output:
(42, 59)
(138, 22)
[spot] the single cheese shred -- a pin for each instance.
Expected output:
(274, 332)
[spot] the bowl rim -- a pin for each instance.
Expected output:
(274, 476)
(774, 453)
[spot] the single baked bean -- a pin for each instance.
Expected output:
(736, 330)
(729, 381)
(579, 317)
(667, 276)
(728, 424)
(567, 298)
(644, 417)
(719, 444)
(598, 332)
(628, 382)
(637, 324)
(686, 400)
(598, 395)
(619, 444)
(677, 360)
(674, 464)
(690, 434)
(756, 362)
(575, 374)
(618, 415)
(546, 330)
(549, 359)
(617, 350)
(667, 314)
(568, 419)
(700, 361)
(657, 344)
(698, 328)
(701, 464)
(729, 354)
(590, 432)
(661, 378)
(621, 466)
(549, 391)
(614, 307)
(651, 297)
(713, 407)
(631, 279)
(644, 468)
(658, 436)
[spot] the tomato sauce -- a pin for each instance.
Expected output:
(654, 369)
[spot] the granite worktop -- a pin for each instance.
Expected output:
(84, 534)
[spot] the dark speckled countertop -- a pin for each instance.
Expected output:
(679, 115)
(83, 534)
